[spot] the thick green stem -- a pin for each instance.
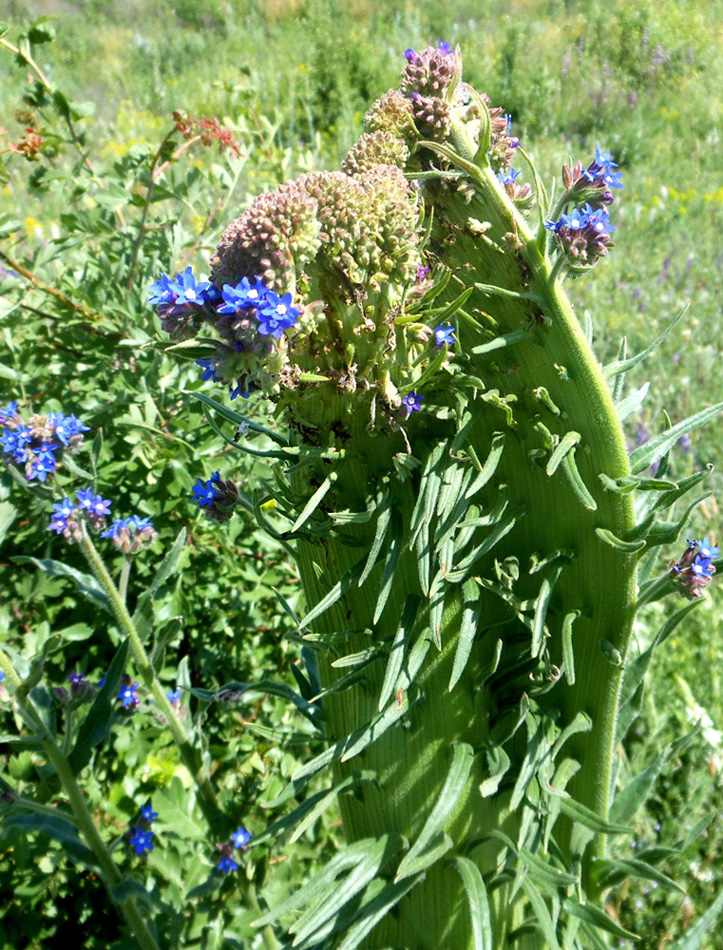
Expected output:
(189, 755)
(82, 817)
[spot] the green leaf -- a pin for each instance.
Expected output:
(143, 615)
(622, 366)
(542, 914)
(625, 547)
(545, 872)
(314, 502)
(693, 938)
(569, 467)
(341, 862)
(390, 565)
(644, 456)
(583, 815)
(541, 604)
(568, 657)
(500, 342)
(567, 444)
(85, 583)
(452, 791)
(384, 514)
(598, 918)
(8, 513)
(634, 794)
(348, 579)
(9, 225)
(474, 885)
(374, 910)
(95, 727)
(59, 830)
(498, 763)
(238, 419)
(612, 872)
(398, 649)
(318, 921)
(467, 630)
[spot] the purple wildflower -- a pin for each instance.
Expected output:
(411, 403)
(227, 865)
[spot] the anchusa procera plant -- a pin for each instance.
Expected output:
(38, 443)
(453, 481)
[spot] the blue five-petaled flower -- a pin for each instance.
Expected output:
(227, 865)
(444, 333)
(141, 840)
(204, 492)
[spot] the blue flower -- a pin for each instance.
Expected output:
(66, 427)
(707, 549)
(410, 55)
(44, 463)
(15, 441)
(509, 177)
(58, 525)
(76, 678)
(205, 492)
(604, 159)
(235, 393)
(444, 333)
(227, 865)
(241, 837)
(188, 289)
(174, 697)
(147, 813)
(243, 296)
(209, 370)
(163, 291)
(141, 840)
(444, 48)
(411, 403)
(2, 676)
(129, 696)
(64, 508)
(95, 505)
(276, 314)
(7, 412)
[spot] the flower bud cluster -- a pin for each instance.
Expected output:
(81, 691)
(67, 515)
(140, 836)
(695, 569)
(129, 535)
(182, 303)
(583, 234)
(216, 497)
(239, 839)
(40, 441)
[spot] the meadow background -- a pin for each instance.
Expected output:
(82, 237)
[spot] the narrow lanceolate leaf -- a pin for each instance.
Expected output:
(454, 787)
(568, 657)
(611, 872)
(342, 862)
(546, 872)
(651, 451)
(464, 568)
(583, 815)
(390, 565)
(372, 911)
(631, 403)
(541, 605)
(497, 446)
(531, 761)
(693, 938)
(326, 800)
(427, 498)
(60, 830)
(94, 729)
(479, 910)
(501, 341)
(398, 649)
(634, 794)
(467, 630)
(498, 763)
(85, 583)
(598, 918)
(384, 515)
(314, 502)
(542, 914)
(623, 365)
(625, 547)
(566, 445)
(569, 467)
(143, 615)
(318, 922)
(284, 825)
(336, 593)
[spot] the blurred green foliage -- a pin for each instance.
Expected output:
(82, 236)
